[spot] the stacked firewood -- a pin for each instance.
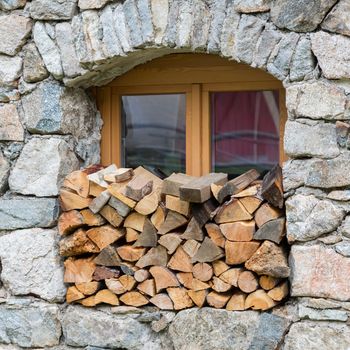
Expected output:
(132, 238)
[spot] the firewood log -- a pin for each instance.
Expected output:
(215, 234)
(236, 302)
(268, 282)
(105, 235)
(148, 204)
(114, 190)
(114, 285)
(78, 270)
(92, 219)
(162, 301)
(176, 204)
(172, 221)
(218, 300)
(163, 278)
(232, 211)
(252, 190)
(97, 177)
(188, 281)
(280, 292)
(141, 275)
(273, 230)
(208, 252)
(220, 286)
(95, 189)
(247, 282)
(128, 282)
(147, 287)
(172, 184)
(78, 182)
(272, 188)
(203, 212)
(108, 257)
(73, 294)
(203, 272)
(215, 189)
(266, 213)
(70, 200)
(148, 236)
(131, 235)
(219, 267)
(158, 217)
(242, 231)
(198, 297)
(88, 288)
(191, 247)
(99, 202)
(230, 276)
(193, 231)
(103, 296)
(69, 221)
(180, 261)
(121, 208)
(131, 253)
(111, 215)
(120, 175)
(134, 299)
(170, 241)
(154, 257)
(135, 221)
(138, 187)
(239, 252)
(251, 204)
(102, 273)
(259, 300)
(180, 298)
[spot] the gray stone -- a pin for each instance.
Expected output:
(331, 238)
(11, 128)
(121, 28)
(251, 6)
(4, 172)
(322, 315)
(331, 51)
(303, 140)
(228, 33)
(160, 11)
(82, 327)
(14, 30)
(53, 9)
(343, 248)
(330, 173)
(145, 17)
(64, 39)
(31, 264)
(220, 329)
(133, 23)
(309, 217)
(8, 94)
(10, 70)
(48, 50)
(295, 172)
(248, 33)
(200, 26)
(303, 62)
(92, 4)
(299, 16)
(185, 22)
(23, 212)
(319, 272)
(344, 229)
(13, 150)
(42, 166)
(338, 20)
(316, 336)
(342, 129)
(169, 39)
(33, 66)
(339, 195)
(11, 4)
(34, 325)
(319, 303)
(330, 100)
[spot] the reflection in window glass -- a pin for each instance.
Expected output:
(154, 131)
(245, 131)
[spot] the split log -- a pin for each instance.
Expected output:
(147, 287)
(203, 272)
(99, 202)
(131, 235)
(273, 230)
(162, 301)
(204, 212)
(188, 281)
(70, 200)
(180, 261)
(208, 252)
(92, 219)
(73, 294)
(193, 231)
(78, 182)
(232, 211)
(103, 296)
(157, 182)
(128, 268)
(97, 177)
(148, 236)
(237, 184)
(198, 297)
(115, 286)
(172, 221)
(230, 276)
(170, 241)
(121, 208)
(148, 204)
(248, 192)
(215, 234)
(120, 175)
(114, 190)
(158, 217)
(135, 221)
(218, 300)
(108, 257)
(138, 187)
(268, 282)
(266, 213)
(78, 270)
(180, 298)
(247, 282)
(172, 184)
(272, 188)
(251, 204)
(236, 302)
(242, 231)
(163, 278)
(259, 300)
(219, 267)
(95, 189)
(191, 247)
(176, 204)
(220, 286)
(134, 299)
(154, 257)
(128, 282)
(131, 253)
(69, 221)
(88, 288)
(141, 275)
(102, 273)
(111, 215)
(105, 235)
(239, 252)
(215, 189)
(280, 292)
(198, 190)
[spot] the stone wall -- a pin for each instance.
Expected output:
(51, 50)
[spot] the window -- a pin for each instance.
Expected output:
(193, 113)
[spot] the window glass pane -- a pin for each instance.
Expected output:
(245, 131)
(154, 131)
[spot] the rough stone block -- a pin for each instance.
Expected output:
(4, 172)
(11, 4)
(309, 217)
(296, 16)
(42, 166)
(317, 336)
(295, 172)
(33, 66)
(228, 33)
(53, 9)
(338, 20)
(308, 140)
(31, 264)
(252, 6)
(160, 11)
(14, 30)
(11, 128)
(92, 4)
(33, 325)
(319, 272)
(10, 70)
(331, 51)
(322, 315)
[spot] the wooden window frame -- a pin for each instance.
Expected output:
(194, 76)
